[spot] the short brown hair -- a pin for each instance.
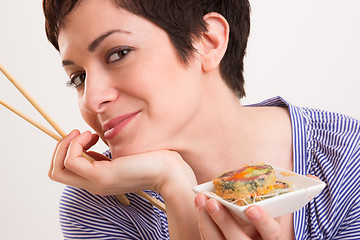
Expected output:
(183, 21)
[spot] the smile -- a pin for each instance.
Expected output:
(115, 125)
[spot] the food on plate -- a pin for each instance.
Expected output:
(248, 184)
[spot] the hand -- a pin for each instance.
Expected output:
(162, 171)
(152, 170)
(216, 222)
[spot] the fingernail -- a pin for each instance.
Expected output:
(200, 200)
(253, 213)
(73, 132)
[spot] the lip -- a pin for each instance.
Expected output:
(115, 125)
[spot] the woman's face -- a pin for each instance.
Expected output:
(133, 88)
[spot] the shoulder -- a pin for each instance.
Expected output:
(90, 215)
(332, 152)
(332, 143)
(335, 135)
(335, 122)
(332, 130)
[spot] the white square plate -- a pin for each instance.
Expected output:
(303, 190)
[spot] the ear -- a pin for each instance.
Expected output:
(214, 42)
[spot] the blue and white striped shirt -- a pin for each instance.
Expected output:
(325, 144)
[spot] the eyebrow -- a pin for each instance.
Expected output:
(94, 44)
(67, 63)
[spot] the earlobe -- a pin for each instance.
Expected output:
(214, 42)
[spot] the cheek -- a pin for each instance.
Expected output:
(177, 100)
(170, 86)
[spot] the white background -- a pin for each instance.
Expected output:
(305, 51)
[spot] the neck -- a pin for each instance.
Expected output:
(221, 148)
(238, 135)
(216, 137)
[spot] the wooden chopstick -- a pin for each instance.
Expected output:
(153, 201)
(39, 126)
(122, 198)
(31, 121)
(32, 101)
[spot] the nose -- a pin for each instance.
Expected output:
(98, 92)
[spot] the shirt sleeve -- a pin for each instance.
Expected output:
(332, 145)
(349, 228)
(88, 216)
(83, 216)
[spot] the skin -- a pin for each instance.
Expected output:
(181, 134)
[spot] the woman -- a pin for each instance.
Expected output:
(160, 82)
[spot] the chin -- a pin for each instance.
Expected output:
(126, 150)
(121, 150)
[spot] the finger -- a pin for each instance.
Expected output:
(57, 163)
(50, 173)
(61, 173)
(74, 161)
(208, 228)
(67, 177)
(314, 177)
(92, 142)
(228, 225)
(267, 226)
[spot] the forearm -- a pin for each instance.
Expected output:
(181, 212)
(179, 200)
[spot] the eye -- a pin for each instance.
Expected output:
(76, 80)
(117, 54)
